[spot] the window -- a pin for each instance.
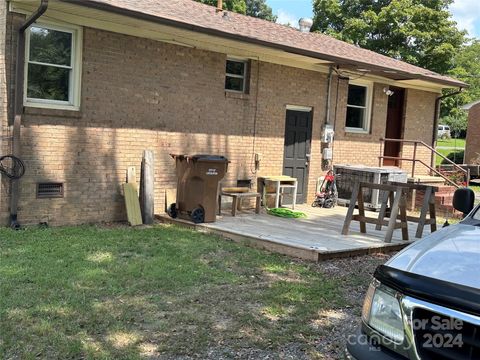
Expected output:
(358, 107)
(236, 76)
(52, 67)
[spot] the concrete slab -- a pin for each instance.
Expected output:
(316, 237)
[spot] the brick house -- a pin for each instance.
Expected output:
(106, 79)
(472, 146)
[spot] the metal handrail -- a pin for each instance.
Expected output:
(414, 160)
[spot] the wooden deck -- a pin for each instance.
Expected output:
(316, 237)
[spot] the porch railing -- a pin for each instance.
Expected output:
(414, 160)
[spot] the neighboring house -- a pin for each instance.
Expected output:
(106, 79)
(472, 146)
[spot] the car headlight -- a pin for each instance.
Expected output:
(381, 311)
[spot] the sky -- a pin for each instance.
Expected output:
(465, 12)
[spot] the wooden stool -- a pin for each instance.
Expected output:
(237, 200)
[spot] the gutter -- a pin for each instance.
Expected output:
(18, 106)
(435, 121)
(215, 32)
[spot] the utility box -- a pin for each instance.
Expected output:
(347, 175)
(197, 186)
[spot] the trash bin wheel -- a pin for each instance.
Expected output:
(198, 215)
(172, 211)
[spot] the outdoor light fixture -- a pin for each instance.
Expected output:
(388, 92)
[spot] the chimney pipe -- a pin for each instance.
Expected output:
(305, 24)
(219, 5)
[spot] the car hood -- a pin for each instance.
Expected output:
(451, 254)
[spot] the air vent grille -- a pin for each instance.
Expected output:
(49, 190)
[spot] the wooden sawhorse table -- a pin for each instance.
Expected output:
(399, 209)
(428, 206)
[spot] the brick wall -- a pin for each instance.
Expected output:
(140, 94)
(419, 112)
(472, 149)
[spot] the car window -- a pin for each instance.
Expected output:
(440, 128)
(447, 128)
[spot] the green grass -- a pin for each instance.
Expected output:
(447, 152)
(124, 293)
(455, 143)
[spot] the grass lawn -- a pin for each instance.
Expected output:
(122, 293)
(446, 152)
(454, 143)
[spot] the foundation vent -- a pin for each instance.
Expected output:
(49, 190)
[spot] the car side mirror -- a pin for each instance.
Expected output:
(464, 200)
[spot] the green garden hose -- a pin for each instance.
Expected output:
(282, 212)
(286, 213)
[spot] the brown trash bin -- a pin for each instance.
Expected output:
(197, 186)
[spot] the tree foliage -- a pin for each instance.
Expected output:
(255, 8)
(420, 32)
(467, 69)
(260, 9)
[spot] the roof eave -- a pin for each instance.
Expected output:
(298, 51)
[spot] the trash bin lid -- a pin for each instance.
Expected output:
(211, 158)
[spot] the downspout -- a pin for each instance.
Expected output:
(18, 104)
(329, 95)
(435, 121)
(326, 163)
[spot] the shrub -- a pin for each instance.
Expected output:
(455, 156)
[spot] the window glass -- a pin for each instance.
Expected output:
(357, 107)
(357, 95)
(50, 46)
(52, 75)
(232, 83)
(355, 117)
(235, 76)
(48, 82)
(235, 67)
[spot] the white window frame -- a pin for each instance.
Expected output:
(244, 76)
(74, 90)
(368, 107)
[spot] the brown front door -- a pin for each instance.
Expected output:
(394, 128)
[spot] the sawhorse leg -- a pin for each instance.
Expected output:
(351, 208)
(423, 212)
(393, 215)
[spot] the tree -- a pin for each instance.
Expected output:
(420, 32)
(260, 9)
(467, 69)
(255, 8)
(238, 6)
